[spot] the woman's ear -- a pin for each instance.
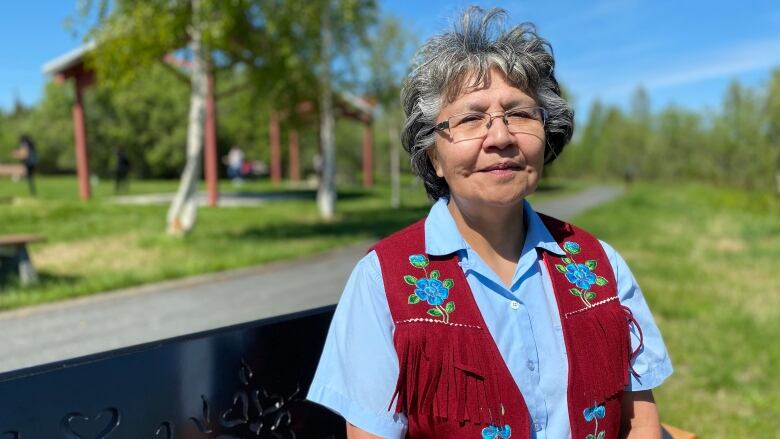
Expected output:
(434, 158)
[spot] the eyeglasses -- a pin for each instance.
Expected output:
(475, 125)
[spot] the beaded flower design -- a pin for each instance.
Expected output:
(495, 432)
(595, 413)
(430, 289)
(581, 275)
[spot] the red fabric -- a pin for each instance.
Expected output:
(597, 339)
(453, 381)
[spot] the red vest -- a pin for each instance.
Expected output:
(453, 382)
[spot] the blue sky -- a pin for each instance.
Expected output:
(682, 52)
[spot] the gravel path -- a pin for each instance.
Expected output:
(58, 331)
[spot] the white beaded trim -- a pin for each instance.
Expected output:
(600, 302)
(427, 320)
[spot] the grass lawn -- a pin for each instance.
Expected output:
(707, 261)
(99, 246)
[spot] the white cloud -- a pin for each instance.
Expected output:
(724, 61)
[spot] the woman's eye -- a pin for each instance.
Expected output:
(521, 115)
(471, 119)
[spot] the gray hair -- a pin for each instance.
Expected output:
(445, 62)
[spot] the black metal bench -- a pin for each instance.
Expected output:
(243, 381)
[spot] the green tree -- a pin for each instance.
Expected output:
(771, 120)
(276, 42)
(389, 47)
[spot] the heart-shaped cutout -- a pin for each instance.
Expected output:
(238, 414)
(79, 426)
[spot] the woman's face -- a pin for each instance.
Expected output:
(497, 170)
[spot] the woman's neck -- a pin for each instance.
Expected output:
(496, 234)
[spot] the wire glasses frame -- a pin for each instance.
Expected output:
(476, 124)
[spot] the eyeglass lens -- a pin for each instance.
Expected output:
(475, 125)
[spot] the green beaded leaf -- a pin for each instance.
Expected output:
(448, 283)
(435, 274)
(600, 281)
(450, 307)
(590, 436)
(590, 295)
(567, 260)
(435, 312)
(575, 292)
(411, 280)
(414, 298)
(590, 263)
(560, 268)
(601, 434)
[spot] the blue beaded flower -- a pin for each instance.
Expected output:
(431, 290)
(597, 411)
(571, 247)
(419, 261)
(493, 432)
(580, 275)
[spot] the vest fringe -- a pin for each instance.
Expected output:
(437, 383)
(613, 377)
(633, 321)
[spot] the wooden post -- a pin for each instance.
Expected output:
(210, 144)
(80, 135)
(368, 165)
(276, 159)
(295, 165)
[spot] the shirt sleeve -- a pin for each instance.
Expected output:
(652, 363)
(358, 368)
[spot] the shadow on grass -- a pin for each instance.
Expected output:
(295, 194)
(376, 223)
(10, 283)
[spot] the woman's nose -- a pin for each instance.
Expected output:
(498, 135)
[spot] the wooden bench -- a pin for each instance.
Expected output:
(670, 432)
(13, 171)
(14, 258)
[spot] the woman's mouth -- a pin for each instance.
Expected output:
(501, 169)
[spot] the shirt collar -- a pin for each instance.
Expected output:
(537, 235)
(442, 236)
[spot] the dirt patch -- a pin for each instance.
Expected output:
(87, 256)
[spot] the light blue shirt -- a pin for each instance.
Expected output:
(358, 369)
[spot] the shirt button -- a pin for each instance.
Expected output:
(514, 304)
(531, 365)
(537, 426)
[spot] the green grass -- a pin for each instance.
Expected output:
(99, 246)
(707, 261)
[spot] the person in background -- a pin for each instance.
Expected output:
(27, 153)
(122, 171)
(487, 319)
(234, 160)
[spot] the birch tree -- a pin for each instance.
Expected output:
(276, 42)
(183, 210)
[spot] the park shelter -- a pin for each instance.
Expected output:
(71, 65)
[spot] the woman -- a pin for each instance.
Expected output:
(487, 319)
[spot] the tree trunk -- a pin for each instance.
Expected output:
(395, 165)
(183, 210)
(777, 181)
(326, 194)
